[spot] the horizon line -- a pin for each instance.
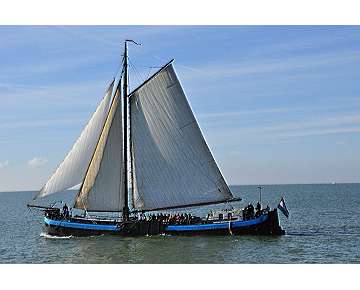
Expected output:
(258, 184)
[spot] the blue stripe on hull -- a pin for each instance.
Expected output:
(217, 226)
(171, 228)
(81, 226)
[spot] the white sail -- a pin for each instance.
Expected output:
(72, 169)
(172, 164)
(103, 186)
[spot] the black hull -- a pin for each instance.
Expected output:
(264, 225)
(66, 232)
(270, 227)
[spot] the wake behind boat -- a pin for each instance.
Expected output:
(151, 131)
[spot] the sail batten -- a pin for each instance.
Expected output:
(172, 163)
(71, 170)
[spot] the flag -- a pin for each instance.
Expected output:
(282, 207)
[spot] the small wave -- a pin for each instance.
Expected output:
(94, 236)
(322, 233)
(47, 236)
(304, 234)
(165, 235)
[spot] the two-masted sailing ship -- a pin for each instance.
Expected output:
(143, 152)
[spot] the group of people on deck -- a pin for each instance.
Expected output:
(171, 219)
(249, 212)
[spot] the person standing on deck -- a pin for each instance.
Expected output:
(66, 211)
(258, 209)
(251, 211)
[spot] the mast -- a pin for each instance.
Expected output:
(125, 95)
(131, 157)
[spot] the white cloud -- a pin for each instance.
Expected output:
(261, 66)
(37, 162)
(304, 127)
(319, 132)
(44, 123)
(313, 124)
(4, 164)
(248, 112)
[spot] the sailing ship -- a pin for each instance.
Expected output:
(143, 152)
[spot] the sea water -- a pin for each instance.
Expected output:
(323, 227)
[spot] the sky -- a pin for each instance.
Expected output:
(276, 104)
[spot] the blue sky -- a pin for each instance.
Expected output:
(277, 104)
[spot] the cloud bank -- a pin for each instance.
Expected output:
(4, 164)
(37, 162)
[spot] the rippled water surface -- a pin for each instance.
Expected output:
(324, 227)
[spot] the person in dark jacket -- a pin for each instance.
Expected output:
(251, 211)
(258, 206)
(66, 211)
(258, 209)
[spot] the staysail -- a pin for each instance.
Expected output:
(172, 164)
(103, 186)
(72, 169)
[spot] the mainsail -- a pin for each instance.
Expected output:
(103, 186)
(72, 169)
(172, 164)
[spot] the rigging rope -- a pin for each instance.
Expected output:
(139, 75)
(230, 231)
(119, 67)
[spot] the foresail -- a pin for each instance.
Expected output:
(72, 169)
(103, 186)
(172, 164)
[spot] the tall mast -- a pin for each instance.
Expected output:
(125, 94)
